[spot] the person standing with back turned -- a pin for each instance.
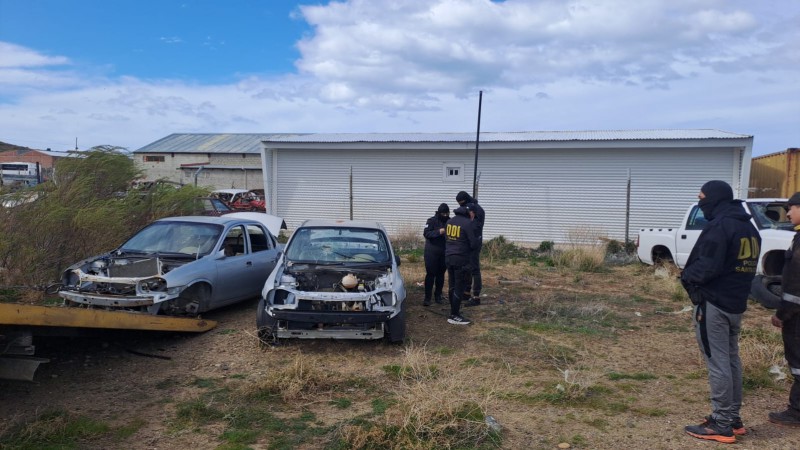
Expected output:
(461, 241)
(717, 277)
(474, 281)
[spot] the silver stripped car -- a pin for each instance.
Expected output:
(180, 266)
(336, 279)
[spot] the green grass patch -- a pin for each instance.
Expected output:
(54, 430)
(205, 383)
(341, 403)
(638, 376)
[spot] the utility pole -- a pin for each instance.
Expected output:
(477, 142)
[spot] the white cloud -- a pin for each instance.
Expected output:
(15, 56)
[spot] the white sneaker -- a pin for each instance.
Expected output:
(458, 320)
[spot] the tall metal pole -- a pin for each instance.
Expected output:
(477, 142)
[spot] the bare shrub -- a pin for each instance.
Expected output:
(302, 379)
(407, 237)
(577, 383)
(584, 259)
(585, 250)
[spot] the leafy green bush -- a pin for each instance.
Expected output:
(546, 246)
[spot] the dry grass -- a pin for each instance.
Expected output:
(407, 237)
(435, 408)
(298, 381)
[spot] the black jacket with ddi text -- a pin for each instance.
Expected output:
(723, 262)
(461, 238)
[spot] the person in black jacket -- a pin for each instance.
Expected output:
(717, 277)
(461, 242)
(787, 318)
(474, 283)
(434, 254)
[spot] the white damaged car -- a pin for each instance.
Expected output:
(180, 266)
(336, 279)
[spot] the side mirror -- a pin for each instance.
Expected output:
(397, 259)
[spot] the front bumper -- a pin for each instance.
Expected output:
(115, 301)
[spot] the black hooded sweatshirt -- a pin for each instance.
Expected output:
(461, 238)
(723, 262)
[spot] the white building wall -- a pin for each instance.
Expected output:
(529, 195)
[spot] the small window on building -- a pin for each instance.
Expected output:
(154, 158)
(453, 172)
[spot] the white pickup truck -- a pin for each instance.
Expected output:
(769, 216)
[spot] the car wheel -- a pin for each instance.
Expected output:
(396, 332)
(193, 301)
(767, 291)
(265, 324)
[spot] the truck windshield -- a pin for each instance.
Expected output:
(770, 215)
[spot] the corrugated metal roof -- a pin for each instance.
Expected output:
(207, 143)
(521, 136)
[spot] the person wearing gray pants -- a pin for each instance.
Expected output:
(717, 277)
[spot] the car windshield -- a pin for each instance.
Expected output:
(770, 215)
(341, 245)
(175, 237)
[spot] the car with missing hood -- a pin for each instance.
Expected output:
(180, 266)
(335, 279)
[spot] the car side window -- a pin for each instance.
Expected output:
(259, 241)
(234, 243)
(697, 221)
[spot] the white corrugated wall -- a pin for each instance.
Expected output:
(530, 196)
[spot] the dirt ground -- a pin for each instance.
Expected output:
(138, 378)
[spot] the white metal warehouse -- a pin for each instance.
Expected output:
(534, 186)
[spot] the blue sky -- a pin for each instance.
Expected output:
(127, 73)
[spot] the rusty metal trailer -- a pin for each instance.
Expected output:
(776, 175)
(19, 323)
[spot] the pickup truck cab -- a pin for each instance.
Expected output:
(769, 217)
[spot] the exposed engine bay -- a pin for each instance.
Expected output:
(345, 279)
(118, 275)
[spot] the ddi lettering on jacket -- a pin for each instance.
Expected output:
(748, 255)
(453, 231)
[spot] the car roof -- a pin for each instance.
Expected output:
(273, 223)
(342, 223)
(231, 191)
(217, 220)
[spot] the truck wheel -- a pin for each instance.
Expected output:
(767, 291)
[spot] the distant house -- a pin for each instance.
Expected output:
(561, 186)
(221, 161)
(43, 159)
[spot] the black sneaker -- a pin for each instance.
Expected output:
(710, 430)
(787, 418)
(458, 320)
(426, 302)
(737, 426)
(472, 302)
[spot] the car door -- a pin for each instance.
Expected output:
(264, 256)
(236, 269)
(687, 235)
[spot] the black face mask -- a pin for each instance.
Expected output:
(444, 217)
(707, 207)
